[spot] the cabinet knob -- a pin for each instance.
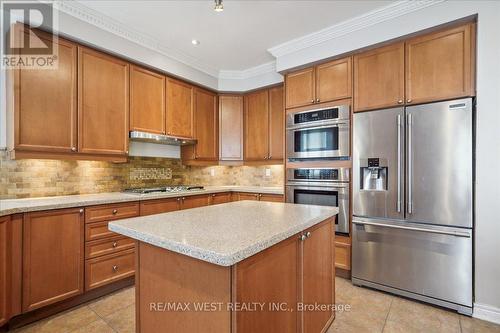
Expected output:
(213, 195)
(73, 148)
(317, 100)
(308, 234)
(115, 244)
(312, 100)
(408, 100)
(260, 195)
(115, 211)
(115, 268)
(400, 101)
(265, 157)
(81, 210)
(303, 237)
(269, 157)
(178, 199)
(183, 198)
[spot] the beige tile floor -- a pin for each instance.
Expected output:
(371, 311)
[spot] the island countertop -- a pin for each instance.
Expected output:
(224, 234)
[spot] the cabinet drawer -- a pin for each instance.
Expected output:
(219, 198)
(159, 206)
(107, 269)
(272, 197)
(107, 246)
(97, 230)
(111, 212)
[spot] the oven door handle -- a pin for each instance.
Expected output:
(299, 127)
(317, 187)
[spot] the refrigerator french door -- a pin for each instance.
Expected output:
(413, 202)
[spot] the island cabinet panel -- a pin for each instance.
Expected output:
(379, 79)
(318, 276)
(257, 126)
(159, 206)
(440, 65)
(276, 123)
(192, 281)
(53, 254)
(180, 109)
(195, 201)
(147, 101)
(10, 266)
(334, 80)
(103, 103)
(219, 198)
(45, 101)
(270, 277)
(230, 128)
(299, 88)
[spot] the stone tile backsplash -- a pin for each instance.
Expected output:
(36, 178)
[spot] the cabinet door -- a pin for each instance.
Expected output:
(53, 254)
(257, 126)
(4, 270)
(334, 80)
(220, 198)
(439, 66)
(300, 88)
(248, 196)
(272, 197)
(379, 78)
(276, 123)
(194, 201)
(159, 206)
(147, 101)
(231, 128)
(45, 112)
(207, 147)
(318, 275)
(103, 103)
(180, 106)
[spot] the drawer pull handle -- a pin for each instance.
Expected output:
(81, 211)
(115, 244)
(115, 268)
(115, 211)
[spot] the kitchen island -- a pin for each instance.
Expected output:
(243, 266)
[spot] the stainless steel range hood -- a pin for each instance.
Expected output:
(160, 139)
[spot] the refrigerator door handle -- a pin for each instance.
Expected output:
(398, 204)
(432, 231)
(409, 122)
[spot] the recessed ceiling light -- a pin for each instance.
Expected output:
(219, 7)
(195, 42)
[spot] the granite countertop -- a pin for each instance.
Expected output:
(224, 234)
(14, 206)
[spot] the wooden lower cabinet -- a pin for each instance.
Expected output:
(194, 201)
(343, 252)
(259, 197)
(109, 268)
(247, 196)
(272, 197)
(220, 198)
(108, 246)
(53, 254)
(159, 206)
(10, 266)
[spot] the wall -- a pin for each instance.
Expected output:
(487, 223)
(36, 178)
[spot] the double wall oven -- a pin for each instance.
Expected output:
(321, 186)
(318, 134)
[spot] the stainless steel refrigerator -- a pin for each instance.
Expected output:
(413, 202)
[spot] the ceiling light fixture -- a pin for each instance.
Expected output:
(219, 7)
(195, 42)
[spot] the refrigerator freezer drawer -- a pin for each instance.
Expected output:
(431, 261)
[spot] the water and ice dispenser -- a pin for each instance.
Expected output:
(374, 174)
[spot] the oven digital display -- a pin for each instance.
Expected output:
(316, 115)
(316, 174)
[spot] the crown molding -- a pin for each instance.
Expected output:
(269, 67)
(376, 16)
(104, 22)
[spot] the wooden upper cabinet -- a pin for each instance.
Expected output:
(53, 254)
(257, 126)
(206, 123)
(103, 103)
(147, 101)
(276, 123)
(45, 105)
(379, 78)
(231, 128)
(334, 80)
(440, 65)
(300, 88)
(180, 108)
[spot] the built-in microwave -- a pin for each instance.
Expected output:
(319, 133)
(323, 187)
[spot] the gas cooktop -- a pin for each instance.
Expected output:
(164, 189)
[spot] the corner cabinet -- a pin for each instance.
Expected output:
(322, 83)
(103, 103)
(180, 109)
(53, 255)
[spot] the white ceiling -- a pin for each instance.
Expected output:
(236, 39)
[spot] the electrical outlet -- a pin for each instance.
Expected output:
(268, 172)
(212, 172)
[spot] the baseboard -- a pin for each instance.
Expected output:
(486, 312)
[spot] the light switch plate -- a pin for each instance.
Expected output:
(212, 172)
(268, 172)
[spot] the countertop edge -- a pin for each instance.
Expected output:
(214, 257)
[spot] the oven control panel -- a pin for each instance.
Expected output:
(319, 174)
(317, 115)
